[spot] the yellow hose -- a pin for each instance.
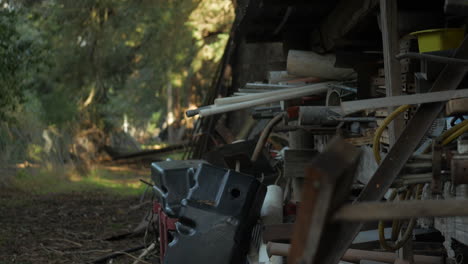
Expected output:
(447, 134)
(455, 134)
(447, 137)
(409, 230)
(381, 129)
(453, 129)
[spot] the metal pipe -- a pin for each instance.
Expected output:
(251, 91)
(346, 88)
(268, 86)
(286, 95)
(354, 255)
(264, 136)
(355, 119)
(194, 112)
(371, 211)
(428, 57)
(239, 99)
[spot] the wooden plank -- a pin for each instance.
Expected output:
(283, 232)
(371, 211)
(317, 198)
(308, 208)
(391, 47)
(413, 99)
(356, 255)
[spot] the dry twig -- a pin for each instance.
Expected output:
(145, 252)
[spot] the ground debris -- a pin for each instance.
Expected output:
(65, 228)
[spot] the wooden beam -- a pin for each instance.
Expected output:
(372, 211)
(356, 255)
(317, 198)
(391, 48)
(413, 99)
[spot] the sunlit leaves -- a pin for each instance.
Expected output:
(120, 53)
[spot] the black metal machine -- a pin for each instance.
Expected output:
(216, 209)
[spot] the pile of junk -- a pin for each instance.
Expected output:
(333, 134)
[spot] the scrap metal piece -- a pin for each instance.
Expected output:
(317, 115)
(165, 225)
(174, 178)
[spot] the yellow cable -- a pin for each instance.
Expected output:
(448, 133)
(453, 129)
(447, 137)
(455, 134)
(409, 230)
(381, 129)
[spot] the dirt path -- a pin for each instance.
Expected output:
(65, 228)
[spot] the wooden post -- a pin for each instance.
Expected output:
(391, 47)
(317, 198)
(406, 252)
(318, 193)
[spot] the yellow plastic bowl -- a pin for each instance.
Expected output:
(439, 39)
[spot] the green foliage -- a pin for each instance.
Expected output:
(11, 55)
(94, 61)
(24, 129)
(115, 57)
